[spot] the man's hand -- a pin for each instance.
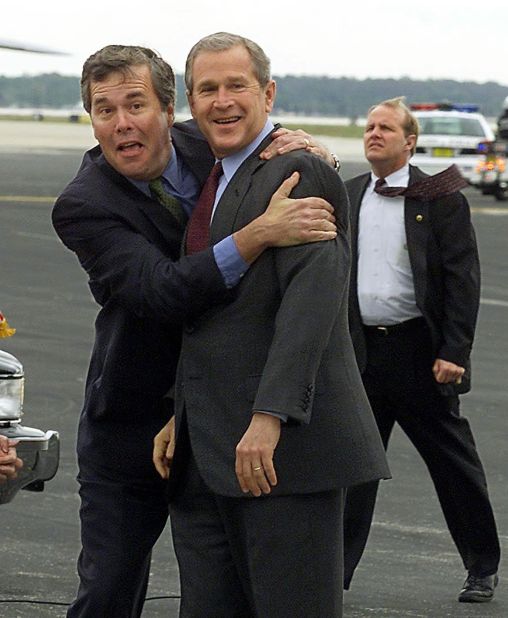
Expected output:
(446, 372)
(164, 448)
(287, 222)
(10, 463)
(254, 455)
(292, 222)
(285, 141)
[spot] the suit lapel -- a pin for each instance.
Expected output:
(417, 226)
(136, 203)
(356, 190)
(232, 199)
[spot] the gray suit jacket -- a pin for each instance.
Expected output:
(283, 346)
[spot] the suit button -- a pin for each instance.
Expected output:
(419, 218)
(189, 328)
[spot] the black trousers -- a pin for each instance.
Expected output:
(120, 523)
(401, 388)
(257, 557)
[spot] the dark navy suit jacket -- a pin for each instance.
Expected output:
(129, 246)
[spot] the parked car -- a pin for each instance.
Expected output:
(450, 134)
(39, 450)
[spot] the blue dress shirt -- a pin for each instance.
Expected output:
(180, 182)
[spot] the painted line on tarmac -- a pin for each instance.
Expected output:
(28, 198)
(479, 210)
(494, 302)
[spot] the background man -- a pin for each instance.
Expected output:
(126, 232)
(414, 298)
(269, 399)
(502, 122)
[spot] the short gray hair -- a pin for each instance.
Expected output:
(122, 58)
(222, 41)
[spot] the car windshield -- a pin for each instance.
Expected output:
(449, 125)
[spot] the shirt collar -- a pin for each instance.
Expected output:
(399, 178)
(171, 174)
(231, 164)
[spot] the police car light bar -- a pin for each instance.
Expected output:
(445, 107)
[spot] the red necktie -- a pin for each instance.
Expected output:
(198, 231)
(446, 182)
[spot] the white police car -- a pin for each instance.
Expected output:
(450, 134)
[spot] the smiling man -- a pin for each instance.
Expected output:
(272, 423)
(124, 216)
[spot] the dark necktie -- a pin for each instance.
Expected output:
(173, 206)
(198, 231)
(446, 182)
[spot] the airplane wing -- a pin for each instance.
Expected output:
(36, 49)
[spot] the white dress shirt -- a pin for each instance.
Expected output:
(385, 281)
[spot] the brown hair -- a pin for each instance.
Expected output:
(122, 58)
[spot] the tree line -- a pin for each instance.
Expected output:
(310, 96)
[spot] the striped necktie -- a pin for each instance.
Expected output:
(172, 205)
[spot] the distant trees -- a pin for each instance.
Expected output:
(47, 90)
(350, 97)
(319, 96)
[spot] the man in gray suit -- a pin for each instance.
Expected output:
(272, 422)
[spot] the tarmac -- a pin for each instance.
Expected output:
(410, 567)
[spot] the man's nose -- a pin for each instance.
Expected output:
(123, 120)
(223, 97)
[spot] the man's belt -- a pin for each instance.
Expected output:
(394, 329)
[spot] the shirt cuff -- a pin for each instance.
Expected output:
(229, 261)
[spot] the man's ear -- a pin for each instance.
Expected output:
(191, 102)
(170, 115)
(270, 92)
(411, 141)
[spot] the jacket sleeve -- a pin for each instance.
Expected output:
(125, 267)
(460, 269)
(313, 283)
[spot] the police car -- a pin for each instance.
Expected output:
(450, 134)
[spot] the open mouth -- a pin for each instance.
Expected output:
(130, 148)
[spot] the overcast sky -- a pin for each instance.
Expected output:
(361, 38)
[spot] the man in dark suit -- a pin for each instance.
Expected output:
(129, 245)
(272, 422)
(414, 297)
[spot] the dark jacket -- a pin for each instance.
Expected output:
(446, 273)
(129, 247)
(282, 346)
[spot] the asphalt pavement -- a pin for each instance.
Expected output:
(410, 567)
